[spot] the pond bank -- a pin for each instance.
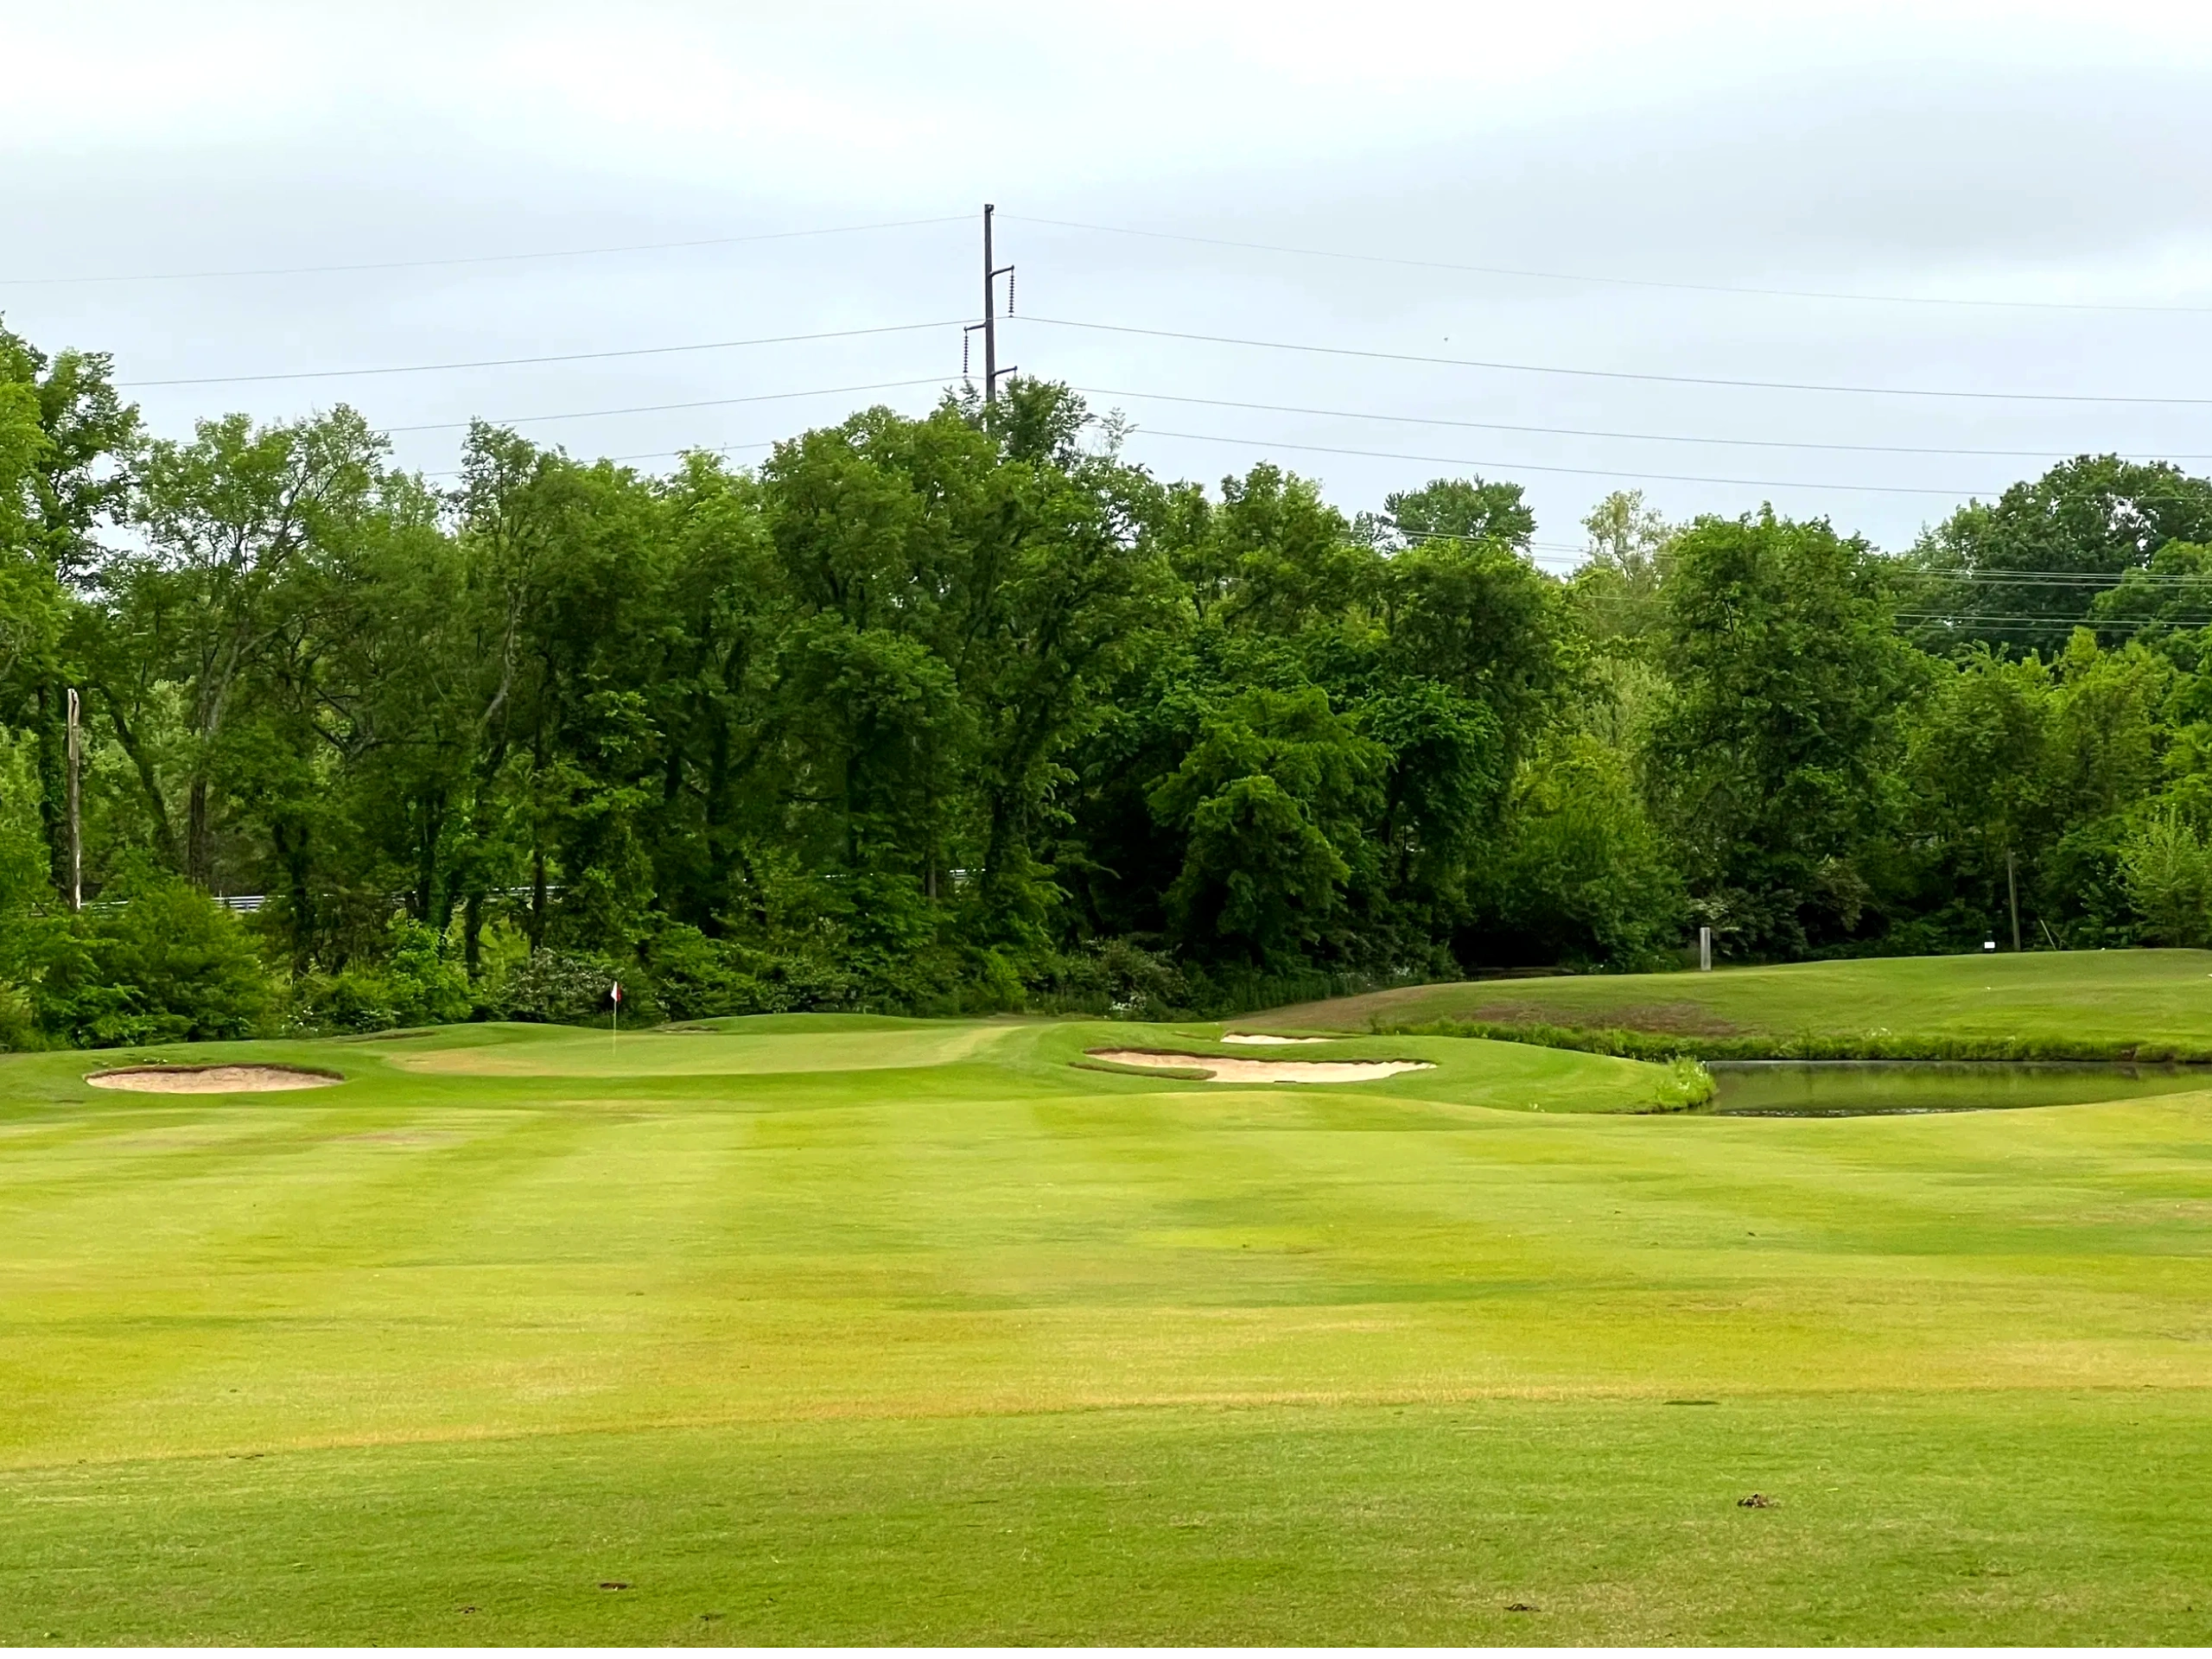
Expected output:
(1860, 1088)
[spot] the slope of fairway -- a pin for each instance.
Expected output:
(2093, 1002)
(984, 1343)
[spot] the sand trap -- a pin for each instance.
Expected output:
(210, 1079)
(1220, 1069)
(1260, 1039)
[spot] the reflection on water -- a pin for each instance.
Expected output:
(1869, 1088)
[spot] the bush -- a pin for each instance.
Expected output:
(18, 1020)
(357, 999)
(691, 976)
(1687, 1086)
(167, 964)
(561, 987)
(2167, 868)
(1112, 976)
(427, 986)
(418, 984)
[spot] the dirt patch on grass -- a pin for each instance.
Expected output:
(1671, 1018)
(210, 1079)
(1236, 1069)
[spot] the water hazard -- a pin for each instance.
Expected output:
(1876, 1088)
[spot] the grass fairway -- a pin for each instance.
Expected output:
(2092, 1003)
(863, 1330)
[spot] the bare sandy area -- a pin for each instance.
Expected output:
(1261, 1040)
(1230, 1069)
(210, 1079)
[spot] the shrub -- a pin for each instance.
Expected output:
(427, 986)
(356, 1000)
(2168, 869)
(167, 964)
(1114, 976)
(562, 987)
(1687, 1086)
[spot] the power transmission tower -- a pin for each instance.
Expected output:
(989, 324)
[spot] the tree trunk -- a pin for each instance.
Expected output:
(198, 854)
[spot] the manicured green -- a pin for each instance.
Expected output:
(2092, 1003)
(854, 1330)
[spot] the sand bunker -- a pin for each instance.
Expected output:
(1260, 1039)
(210, 1079)
(1220, 1069)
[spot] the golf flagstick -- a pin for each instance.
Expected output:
(614, 1033)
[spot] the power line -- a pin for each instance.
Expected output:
(561, 357)
(1530, 466)
(1969, 619)
(1587, 432)
(1610, 374)
(473, 259)
(656, 408)
(1613, 282)
(1286, 409)
(2064, 578)
(648, 454)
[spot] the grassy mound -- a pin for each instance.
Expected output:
(762, 1334)
(2147, 1005)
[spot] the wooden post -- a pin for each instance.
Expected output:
(76, 747)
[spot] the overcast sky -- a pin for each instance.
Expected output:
(1643, 165)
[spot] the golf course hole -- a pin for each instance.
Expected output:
(1233, 1069)
(1260, 1039)
(210, 1079)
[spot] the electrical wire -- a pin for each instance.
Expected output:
(2065, 624)
(1608, 374)
(1531, 466)
(2062, 578)
(1165, 334)
(1610, 282)
(649, 454)
(656, 408)
(559, 357)
(1589, 432)
(476, 259)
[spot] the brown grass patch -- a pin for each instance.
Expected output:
(1671, 1018)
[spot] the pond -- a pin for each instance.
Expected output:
(1871, 1088)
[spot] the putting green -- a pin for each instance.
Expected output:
(953, 1336)
(2094, 1001)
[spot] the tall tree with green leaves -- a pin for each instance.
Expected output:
(2014, 573)
(1775, 754)
(229, 520)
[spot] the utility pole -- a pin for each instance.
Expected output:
(76, 832)
(989, 324)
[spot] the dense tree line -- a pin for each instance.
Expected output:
(969, 711)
